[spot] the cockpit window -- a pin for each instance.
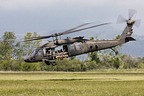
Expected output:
(32, 53)
(36, 54)
(39, 52)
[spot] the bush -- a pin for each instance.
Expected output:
(130, 62)
(75, 65)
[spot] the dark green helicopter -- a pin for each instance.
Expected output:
(78, 45)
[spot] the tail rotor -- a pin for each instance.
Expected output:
(131, 13)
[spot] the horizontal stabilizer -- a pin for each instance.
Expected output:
(127, 39)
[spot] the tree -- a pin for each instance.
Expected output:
(7, 50)
(30, 45)
(18, 52)
(94, 57)
(7, 46)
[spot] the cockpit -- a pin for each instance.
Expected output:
(46, 54)
(32, 53)
(35, 56)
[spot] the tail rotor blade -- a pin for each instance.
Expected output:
(131, 13)
(137, 23)
(121, 19)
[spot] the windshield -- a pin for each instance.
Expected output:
(32, 53)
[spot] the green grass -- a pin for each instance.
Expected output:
(71, 84)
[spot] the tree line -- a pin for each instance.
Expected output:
(12, 53)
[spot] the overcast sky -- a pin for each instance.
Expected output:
(46, 16)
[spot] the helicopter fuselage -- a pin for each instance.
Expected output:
(49, 55)
(76, 46)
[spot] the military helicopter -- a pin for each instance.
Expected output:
(78, 45)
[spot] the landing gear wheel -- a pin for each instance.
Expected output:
(53, 63)
(47, 62)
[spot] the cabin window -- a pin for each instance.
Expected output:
(78, 46)
(65, 48)
(90, 47)
(96, 46)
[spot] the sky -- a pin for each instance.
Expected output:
(50, 16)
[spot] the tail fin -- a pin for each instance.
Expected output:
(126, 35)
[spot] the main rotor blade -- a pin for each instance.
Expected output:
(38, 38)
(56, 34)
(76, 27)
(66, 32)
(84, 28)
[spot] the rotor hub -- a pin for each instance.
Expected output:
(130, 22)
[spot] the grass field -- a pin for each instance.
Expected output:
(71, 84)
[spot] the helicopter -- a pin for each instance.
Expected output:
(78, 45)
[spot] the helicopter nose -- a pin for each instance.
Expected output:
(27, 60)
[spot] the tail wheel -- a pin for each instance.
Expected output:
(53, 63)
(50, 62)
